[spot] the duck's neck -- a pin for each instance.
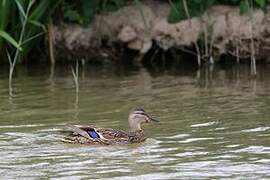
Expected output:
(133, 127)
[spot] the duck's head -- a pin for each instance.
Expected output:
(137, 117)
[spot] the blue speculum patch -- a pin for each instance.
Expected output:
(93, 134)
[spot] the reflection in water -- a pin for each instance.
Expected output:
(215, 124)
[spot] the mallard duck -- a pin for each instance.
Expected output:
(107, 136)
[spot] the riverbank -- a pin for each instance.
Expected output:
(220, 30)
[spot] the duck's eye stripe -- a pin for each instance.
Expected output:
(140, 109)
(142, 113)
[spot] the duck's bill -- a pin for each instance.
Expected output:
(155, 120)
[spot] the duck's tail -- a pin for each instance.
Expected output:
(78, 130)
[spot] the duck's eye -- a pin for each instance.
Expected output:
(141, 113)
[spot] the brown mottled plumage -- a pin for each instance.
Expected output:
(108, 136)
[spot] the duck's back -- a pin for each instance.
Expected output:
(104, 136)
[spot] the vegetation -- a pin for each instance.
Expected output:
(23, 31)
(12, 38)
(198, 7)
(24, 22)
(83, 11)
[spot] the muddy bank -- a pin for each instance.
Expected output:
(220, 30)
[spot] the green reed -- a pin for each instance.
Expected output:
(22, 24)
(22, 32)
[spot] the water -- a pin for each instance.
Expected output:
(215, 124)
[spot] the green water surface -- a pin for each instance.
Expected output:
(215, 123)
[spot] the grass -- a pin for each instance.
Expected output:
(75, 74)
(13, 61)
(27, 16)
(21, 26)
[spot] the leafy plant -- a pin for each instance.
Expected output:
(195, 8)
(12, 16)
(198, 7)
(13, 61)
(27, 29)
(4, 8)
(261, 3)
(10, 40)
(84, 11)
(245, 5)
(13, 13)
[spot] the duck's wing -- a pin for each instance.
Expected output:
(94, 135)
(108, 133)
(83, 135)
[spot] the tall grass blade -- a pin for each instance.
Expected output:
(33, 37)
(22, 12)
(38, 16)
(17, 53)
(75, 74)
(38, 24)
(10, 39)
(4, 12)
(11, 68)
(139, 5)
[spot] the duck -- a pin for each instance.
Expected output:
(92, 135)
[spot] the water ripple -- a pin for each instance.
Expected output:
(204, 124)
(259, 129)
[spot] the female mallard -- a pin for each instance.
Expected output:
(108, 136)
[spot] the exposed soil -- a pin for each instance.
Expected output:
(221, 30)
